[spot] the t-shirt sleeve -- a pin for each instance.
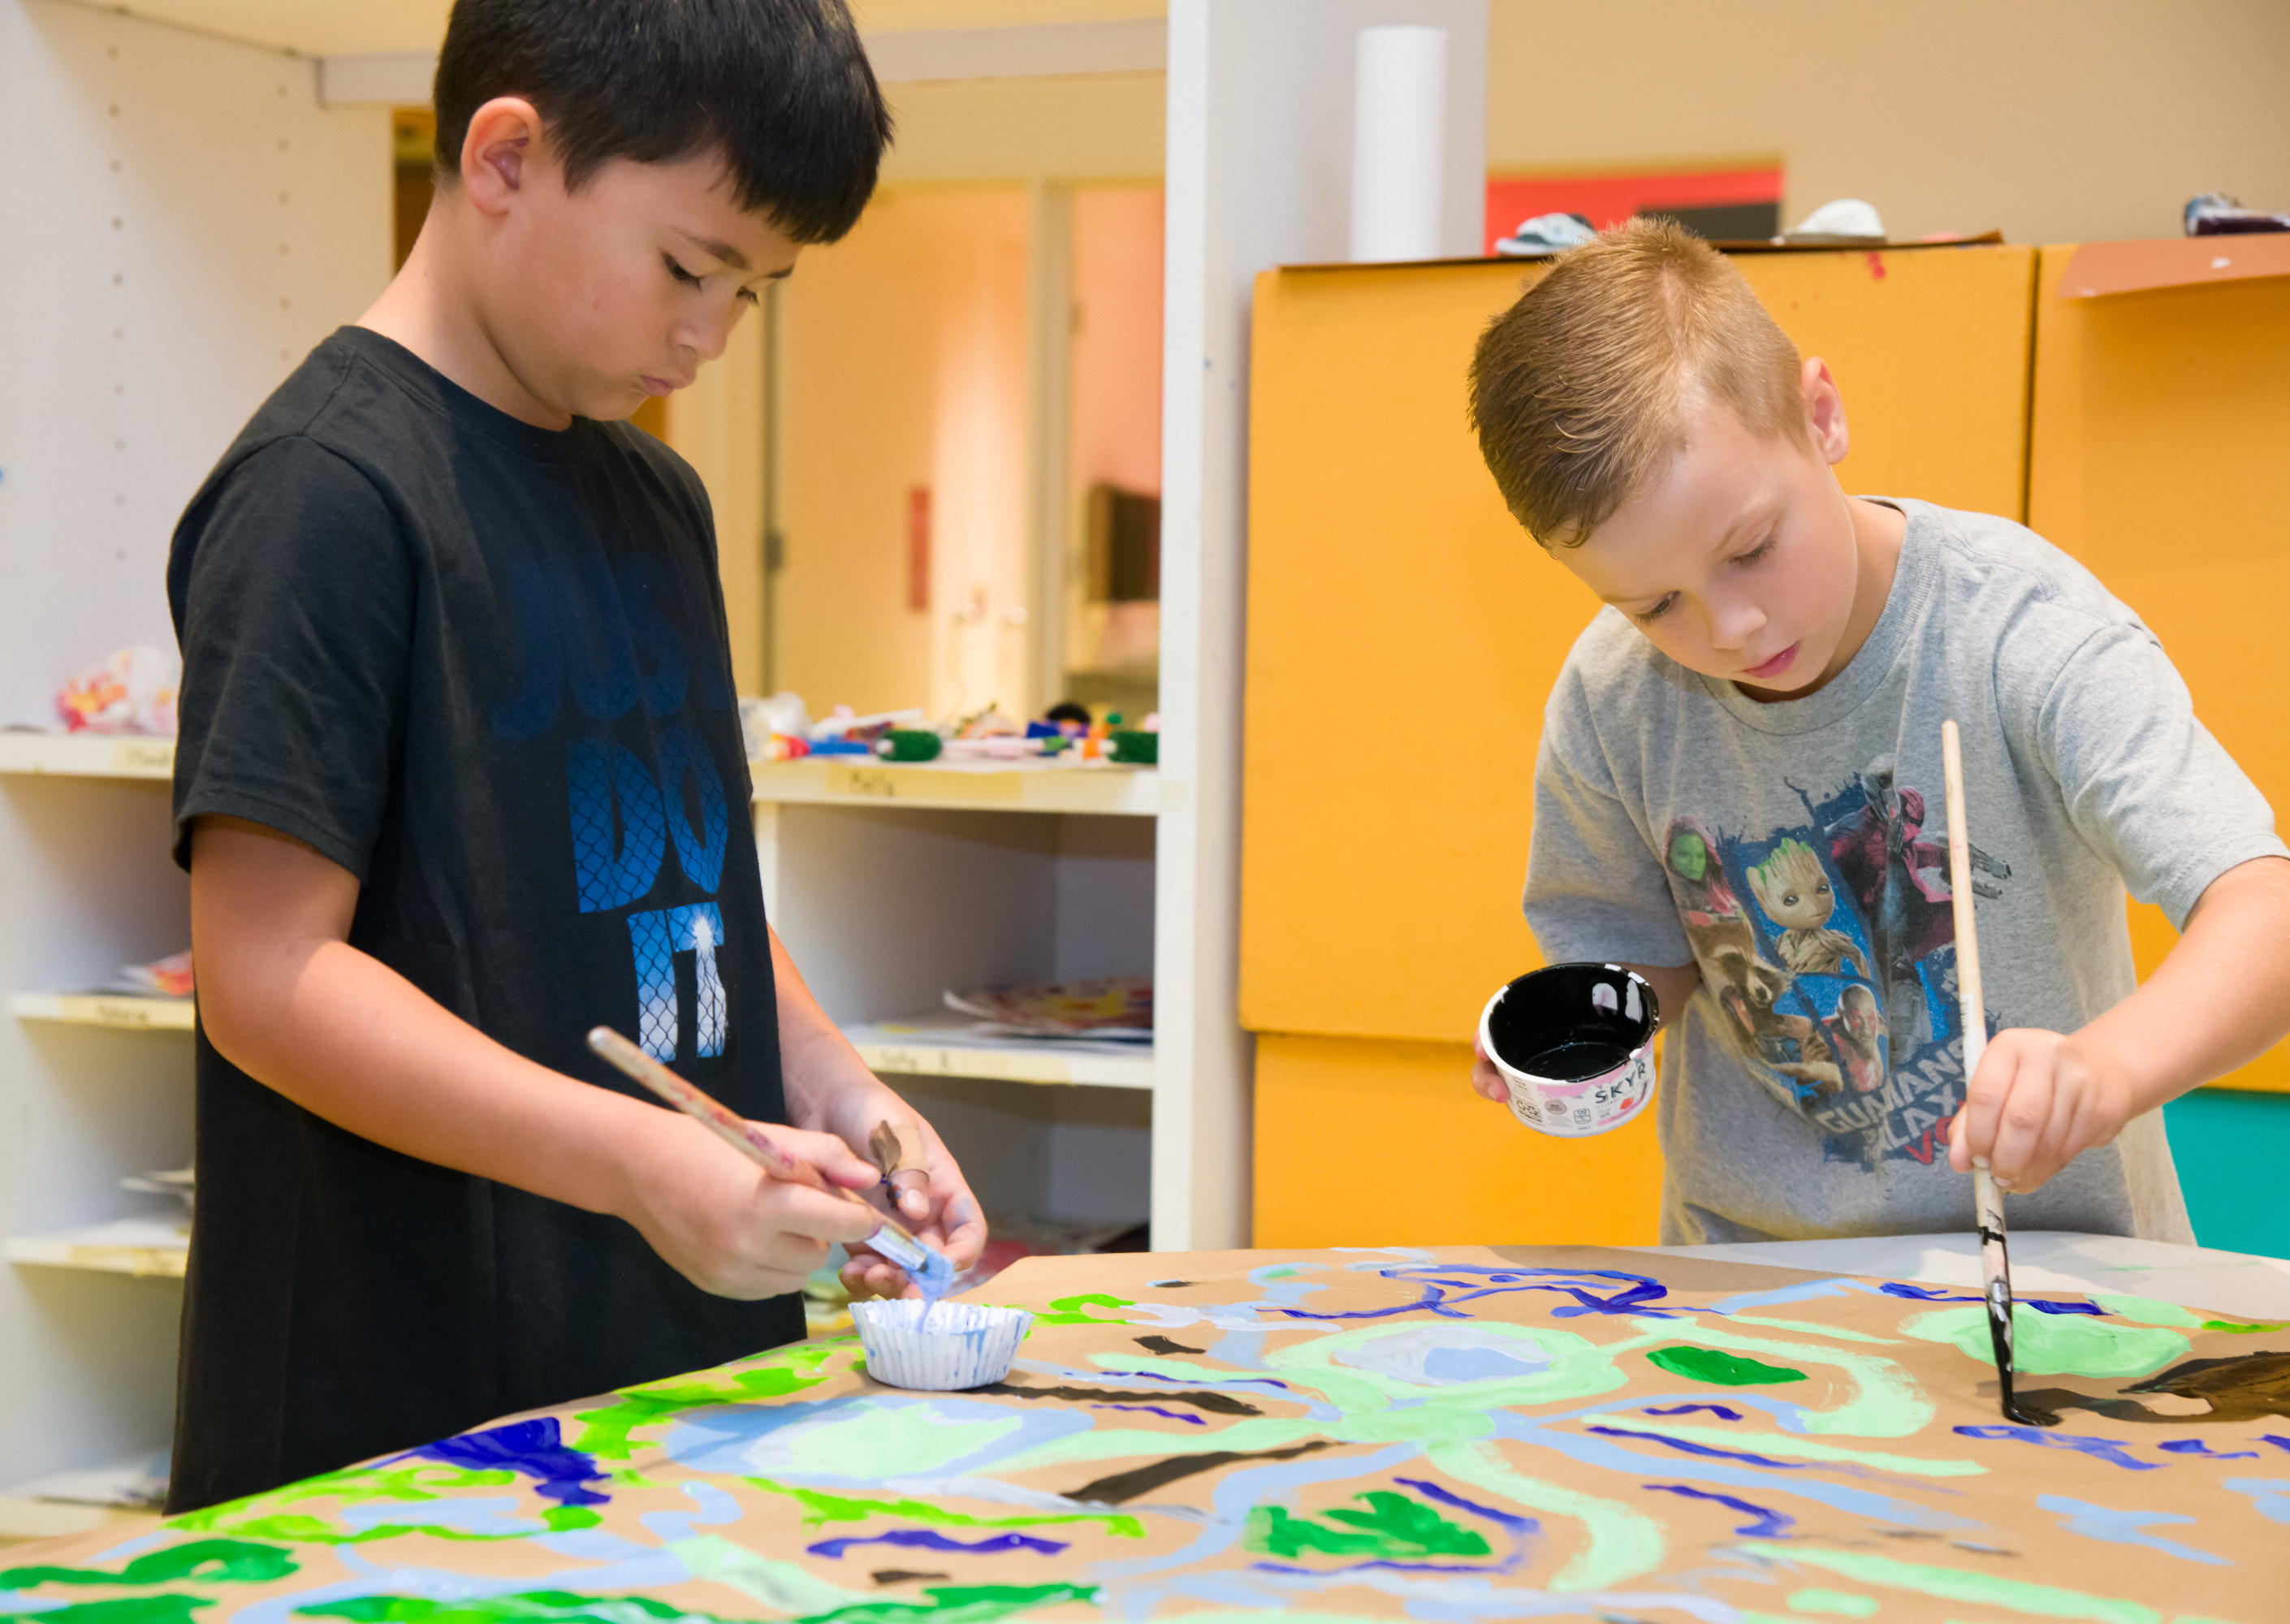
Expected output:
(295, 614)
(1595, 889)
(2145, 783)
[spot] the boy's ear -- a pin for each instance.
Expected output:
(1824, 411)
(497, 153)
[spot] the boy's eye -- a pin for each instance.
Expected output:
(1756, 552)
(677, 271)
(1663, 607)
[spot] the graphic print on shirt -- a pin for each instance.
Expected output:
(609, 640)
(1835, 977)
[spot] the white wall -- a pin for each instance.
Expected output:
(183, 224)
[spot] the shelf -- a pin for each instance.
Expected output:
(88, 754)
(1040, 786)
(939, 1044)
(147, 1246)
(120, 1010)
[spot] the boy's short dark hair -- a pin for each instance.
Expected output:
(1579, 391)
(782, 88)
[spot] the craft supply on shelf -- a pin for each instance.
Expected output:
(121, 1010)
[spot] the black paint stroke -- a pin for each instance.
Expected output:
(2246, 1388)
(1217, 1403)
(899, 1576)
(1128, 1486)
(1167, 1286)
(1162, 1345)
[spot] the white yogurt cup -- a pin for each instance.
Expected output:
(1575, 1044)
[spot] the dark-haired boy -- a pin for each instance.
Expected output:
(1739, 789)
(461, 776)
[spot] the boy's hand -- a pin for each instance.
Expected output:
(935, 1202)
(1484, 1077)
(728, 1227)
(2038, 1101)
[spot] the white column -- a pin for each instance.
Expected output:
(1259, 165)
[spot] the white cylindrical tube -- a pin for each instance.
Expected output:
(1399, 128)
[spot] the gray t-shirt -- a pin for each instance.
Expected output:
(1798, 853)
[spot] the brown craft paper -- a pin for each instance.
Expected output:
(1454, 1434)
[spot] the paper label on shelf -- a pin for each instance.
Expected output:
(921, 784)
(143, 755)
(956, 1063)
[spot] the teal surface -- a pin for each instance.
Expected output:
(2233, 1152)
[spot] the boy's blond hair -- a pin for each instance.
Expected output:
(1579, 390)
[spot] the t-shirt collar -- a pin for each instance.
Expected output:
(440, 394)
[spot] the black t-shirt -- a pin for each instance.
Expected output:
(483, 667)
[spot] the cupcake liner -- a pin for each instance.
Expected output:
(968, 1344)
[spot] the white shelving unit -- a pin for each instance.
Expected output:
(194, 221)
(893, 883)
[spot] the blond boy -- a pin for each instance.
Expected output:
(1757, 712)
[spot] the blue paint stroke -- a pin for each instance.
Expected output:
(1175, 1415)
(1927, 1293)
(1767, 1524)
(1711, 1452)
(1723, 1411)
(2099, 1448)
(716, 1508)
(930, 1539)
(1512, 1521)
(2196, 1446)
(2125, 1527)
(2267, 1437)
(1782, 1296)
(1636, 1295)
(494, 1516)
(534, 1448)
(2270, 1495)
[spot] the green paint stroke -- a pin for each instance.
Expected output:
(1951, 1585)
(210, 1562)
(1068, 1311)
(2149, 1310)
(606, 1433)
(958, 1604)
(821, 1509)
(1887, 1402)
(263, 1517)
(167, 1607)
(1836, 1603)
(1622, 1543)
(1394, 1527)
(1724, 1369)
(2054, 1344)
(948, 1605)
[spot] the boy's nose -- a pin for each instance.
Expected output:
(1733, 624)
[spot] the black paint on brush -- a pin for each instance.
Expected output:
(1162, 1345)
(1217, 1403)
(1128, 1486)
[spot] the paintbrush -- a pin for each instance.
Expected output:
(1994, 1254)
(929, 1268)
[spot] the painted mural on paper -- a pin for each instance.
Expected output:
(1830, 945)
(1454, 1434)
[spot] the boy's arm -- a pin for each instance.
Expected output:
(830, 1090)
(285, 997)
(1673, 985)
(2221, 998)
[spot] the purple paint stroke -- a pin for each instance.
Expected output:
(2196, 1446)
(534, 1448)
(929, 1539)
(1769, 1524)
(2101, 1449)
(1725, 1412)
(1684, 1447)
(1523, 1526)
(1175, 1415)
(2267, 1437)
(1932, 1293)
(1638, 1295)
